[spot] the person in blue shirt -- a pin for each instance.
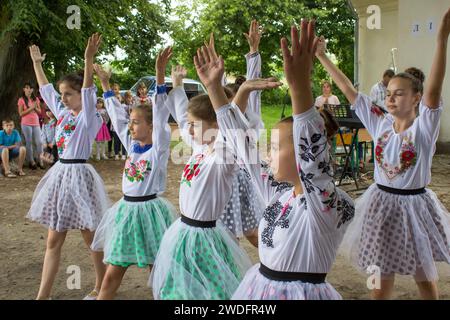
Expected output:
(10, 148)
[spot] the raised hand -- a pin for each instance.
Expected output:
(93, 45)
(212, 46)
(321, 49)
(38, 58)
(444, 28)
(178, 74)
(434, 85)
(261, 84)
(298, 63)
(161, 63)
(102, 74)
(36, 55)
(254, 36)
(210, 69)
(241, 98)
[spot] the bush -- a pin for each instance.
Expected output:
(278, 96)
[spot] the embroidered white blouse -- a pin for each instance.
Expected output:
(302, 233)
(402, 160)
(74, 134)
(145, 171)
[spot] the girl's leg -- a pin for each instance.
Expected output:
(97, 147)
(111, 282)
(28, 134)
(104, 150)
(123, 152)
(110, 142)
(55, 241)
(428, 289)
(117, 144)
(252, 237)
(386, 288)
(38, 143)
(97, 258)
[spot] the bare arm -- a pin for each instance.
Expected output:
(38, 106)
(37, 58)
(241, 98)
(297, 63)
(92, 47)
(161, 64)
(24, 113)
(342, 81)
(433, 89)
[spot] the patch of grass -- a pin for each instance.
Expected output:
(271, 114)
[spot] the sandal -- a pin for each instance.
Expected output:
(22, 174)
(10, 175)
(92, 295)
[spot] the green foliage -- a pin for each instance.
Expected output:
(136, 26)
(133, 25)
(228, 20)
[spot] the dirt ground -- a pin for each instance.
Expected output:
(22, 243)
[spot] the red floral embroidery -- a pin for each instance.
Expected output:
(60, 144)
(408, 156)
(64, 133)
(192, 170)
(376, 110)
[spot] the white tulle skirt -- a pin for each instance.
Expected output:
(69, 196)
(244, 211)
(198, 264)
(398, 234)
(130, 233)
(255, 286)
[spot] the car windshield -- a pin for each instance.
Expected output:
(191, 87)
(149, 82)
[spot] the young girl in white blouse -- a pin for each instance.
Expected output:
(130, 233)
(199, 258)
(244, 210)
(301, 228)
(401, 226)
(71, 196)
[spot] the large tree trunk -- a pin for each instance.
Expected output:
(16, 68)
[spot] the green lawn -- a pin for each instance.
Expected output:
(271, 114)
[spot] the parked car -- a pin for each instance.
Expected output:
(192, 87)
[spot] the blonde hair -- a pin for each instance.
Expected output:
(128, 94)
(201, 107)
(146, 110)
